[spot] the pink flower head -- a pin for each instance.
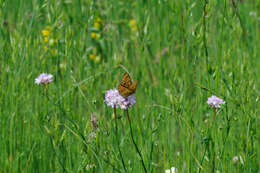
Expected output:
(215, 102)
(44, 79)
(113, 98)
(130, 100)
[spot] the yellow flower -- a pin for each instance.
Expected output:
(99, 19)
(98, 22)
(132, 23)
(46, 39)
(45, 47)
(96, 25)
(93, 35)
(45, 33)
(92, 56)
(134, 28)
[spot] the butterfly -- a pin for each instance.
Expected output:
(126, 87)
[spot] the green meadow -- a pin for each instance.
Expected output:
(180, 52)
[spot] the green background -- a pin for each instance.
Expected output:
(181, 53)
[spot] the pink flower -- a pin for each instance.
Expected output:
(130, 100)
(114, 99)
(215, 102)
(44, 79)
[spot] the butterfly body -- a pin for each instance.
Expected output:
(127, 87)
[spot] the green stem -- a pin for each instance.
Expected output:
(136, 147)
(210, 138)
(204, 153)
(213, 118)
(45, 89)
(213, 157)
(120, 153)
(204, 30)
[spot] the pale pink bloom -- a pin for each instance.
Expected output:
(235, 159)
(44, 79)
(215, 102)
(114, 99)
(238, 159)
(130, 100)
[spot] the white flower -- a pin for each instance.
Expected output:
(235, 159)
(252, 13)
(238, 159)
(44, 79)
(168, 171)
(113, 98)
(89, 166)
(173, 170)
(215, 102)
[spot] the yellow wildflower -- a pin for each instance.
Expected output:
(93, 35)
(134, 28)
(98, 22)
(46, 39)
(132, 23)
(96, 25)
(45, 33)
(45, 47)
(92, 56)
(99, 19)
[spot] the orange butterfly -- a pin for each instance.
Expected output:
(126, 87)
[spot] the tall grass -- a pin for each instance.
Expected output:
(181, 53)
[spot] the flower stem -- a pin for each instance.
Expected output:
(117, 140)
(45, 89)
(213, 118)
(136, 147)
(213, 156)
(212, 140)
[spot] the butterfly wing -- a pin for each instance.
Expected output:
(124, 91)
(126, 86)
(126, 80)
(133, 86)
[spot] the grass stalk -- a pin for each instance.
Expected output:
(132, 137)
(117, 140)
